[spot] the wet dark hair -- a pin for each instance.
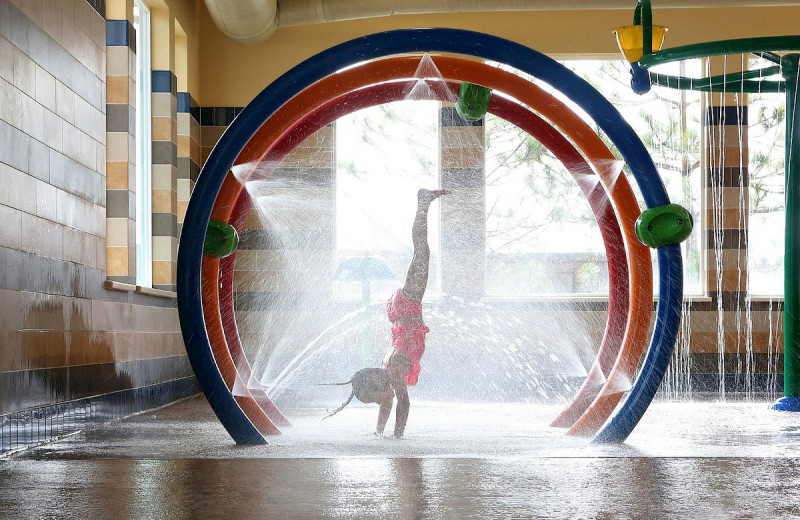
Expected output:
(365, 381)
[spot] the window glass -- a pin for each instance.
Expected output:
(541, 235)
(766, 136)
(144, 269)
(384, 155)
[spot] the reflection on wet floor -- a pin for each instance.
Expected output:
(686, 460)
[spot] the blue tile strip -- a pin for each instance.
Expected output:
(187, 104)
(184, 102)
(118, 33)
(24, 428)
(217, 116)
(164, 81)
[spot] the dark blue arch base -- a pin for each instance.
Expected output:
(381, 45)
(787, 404)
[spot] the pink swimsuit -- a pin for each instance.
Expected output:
(406, 338)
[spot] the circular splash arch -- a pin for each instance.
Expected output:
(191, 268)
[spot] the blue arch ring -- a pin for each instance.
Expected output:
(380, 45)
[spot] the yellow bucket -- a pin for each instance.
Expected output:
(630, 38)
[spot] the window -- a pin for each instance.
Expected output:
(766, 148)
(384, 155)
(541, 235)
(144, 264)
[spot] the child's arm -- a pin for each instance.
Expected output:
(383, 414)
(401, 414)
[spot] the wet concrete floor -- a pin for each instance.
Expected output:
(685, 460)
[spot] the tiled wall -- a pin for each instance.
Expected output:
(730, 331)
(463, 215)
(72, 352)
(165, 179)
(190, 155)
(120, 151)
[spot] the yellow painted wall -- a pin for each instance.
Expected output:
(231, 73)
(186, 12)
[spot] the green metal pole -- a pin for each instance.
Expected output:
(791, 297)
(643, 15)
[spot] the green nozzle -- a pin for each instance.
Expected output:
(664, 225)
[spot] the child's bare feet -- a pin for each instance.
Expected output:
(427, 196)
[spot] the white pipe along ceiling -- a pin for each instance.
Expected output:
(254, 21)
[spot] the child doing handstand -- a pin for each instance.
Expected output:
(401, 364)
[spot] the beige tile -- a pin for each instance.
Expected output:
(309, 158)
(163, 273)
(730, 259)
(184, 143)
(181, 215)
(162, 129)
(728, 198)
(161, 177)
(117, 261)
(117, 89)
(184, 189)
(162, 201)
(462, 158)
(117, 147)
(117, 62)
(184, 120)
(462, 137)
(727, 219)
(732, 280)
(162, 249)
(117, 175)
(161, 105)
(117, 232)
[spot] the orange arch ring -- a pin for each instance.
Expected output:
(594, 403)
